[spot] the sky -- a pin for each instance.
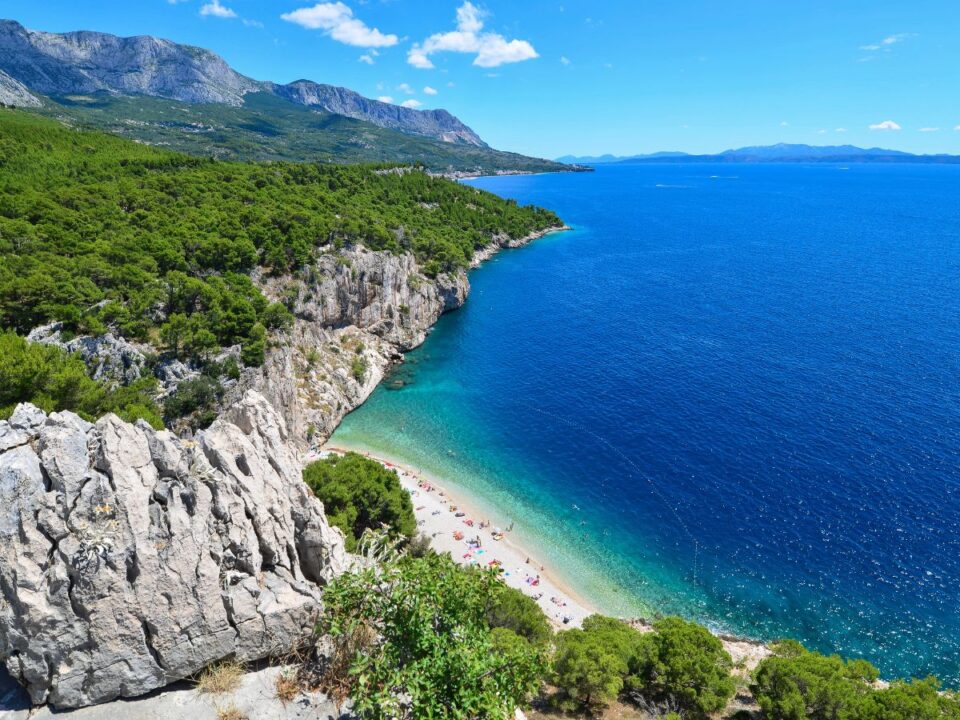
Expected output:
(585, 77)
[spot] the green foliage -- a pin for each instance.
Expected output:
(686, 663)
(914, 700)
(795, 684)
(199, 394)
(54, 380)
(587, 669)
(360, 494)
(418, 645)
(97, 232)
(266, 127)
(519, 613)
(358, 368)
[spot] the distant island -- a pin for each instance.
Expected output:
(779, 153)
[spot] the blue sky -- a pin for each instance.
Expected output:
(549, 77)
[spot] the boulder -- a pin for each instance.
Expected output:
(131, 559)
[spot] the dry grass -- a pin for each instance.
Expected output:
(222, 677)
(231, 712)
(287, 686)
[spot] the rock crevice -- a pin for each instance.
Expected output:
(131, 559)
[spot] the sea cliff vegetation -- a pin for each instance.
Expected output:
(102, 233)
(415, 635)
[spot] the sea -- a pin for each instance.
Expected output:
(730, 392)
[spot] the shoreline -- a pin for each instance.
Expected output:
(522, 569)
(437, 521)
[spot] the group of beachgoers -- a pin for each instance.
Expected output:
(474, 545)
(466, 544)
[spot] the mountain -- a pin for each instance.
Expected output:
(603, 159)
(87, 63)
(784, 152)
(438, 124)
(781, 152)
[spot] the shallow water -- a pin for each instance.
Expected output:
(732, 392)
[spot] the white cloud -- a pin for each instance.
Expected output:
(821, 132)
(957, 128)
(784, 124)
(490, 49)
(385, 99)
(215, 9)
(411, 103)
(337, 21)
(429, 90)
(840, 130)
(564, 60)
(406, 89)
(929, 129)
(888, 42)
(886, 125)
(252, 23)
(367, 58)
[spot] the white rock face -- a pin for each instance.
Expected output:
(358, 307)
(130, 559)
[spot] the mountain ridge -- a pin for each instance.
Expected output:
(779, 152)
(84, 62)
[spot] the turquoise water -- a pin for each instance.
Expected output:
(732, 397)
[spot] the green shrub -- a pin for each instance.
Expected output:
(587, 670)
(358, 368)
(200, 393)
(360, 494)
(795, 684)
(684, 662)
(514, 611)
(54, 380)
(411, 640)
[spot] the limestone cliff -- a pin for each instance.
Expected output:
(357, 311)
(130, 559)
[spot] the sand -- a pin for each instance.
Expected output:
(438, 513)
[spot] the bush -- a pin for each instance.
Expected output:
(54, 380)
(360, 494)
(684, 662)
(914, 700)
(795, 684)
(587, 669)
(412, 638)
(200, 393)
(514, 611)
(358, 368)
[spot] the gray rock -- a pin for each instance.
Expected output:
(16, 94)
(255, 698)
(131, 559)
(357, 305)
(438, 124)
(107, 356)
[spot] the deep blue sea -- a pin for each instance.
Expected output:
(731, 392)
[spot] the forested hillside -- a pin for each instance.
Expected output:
(101, 232)
(267, 127)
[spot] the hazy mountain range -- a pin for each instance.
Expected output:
(114, 83)
(781, 152)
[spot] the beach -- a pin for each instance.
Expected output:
(453, 527)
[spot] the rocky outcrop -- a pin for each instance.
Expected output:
(109, 358)
(357, 311)
(89, 62)
(438, 124)
(16, 94)
(130, 559)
